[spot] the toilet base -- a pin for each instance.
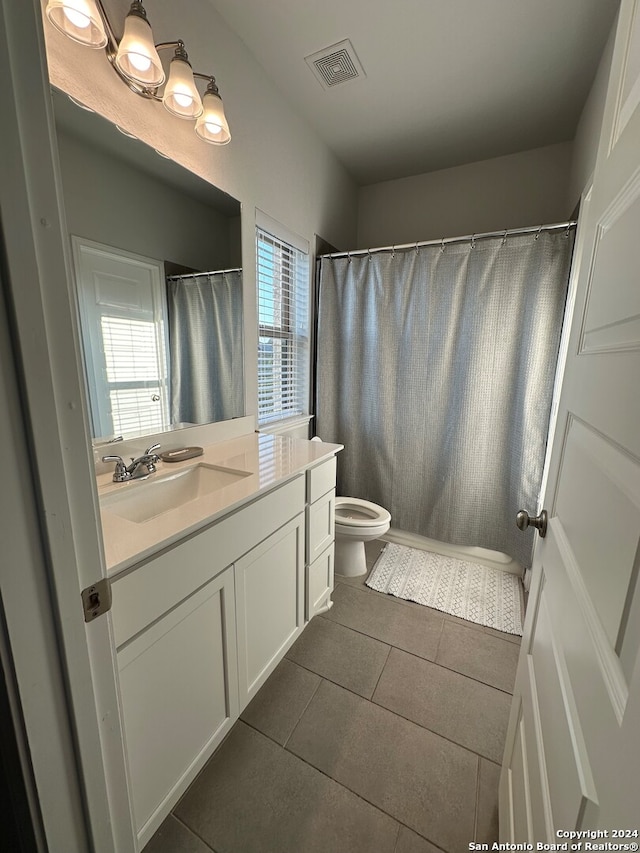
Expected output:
(350, 560)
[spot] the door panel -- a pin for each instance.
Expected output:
(579, 666)
(598, 500)
(612, 321)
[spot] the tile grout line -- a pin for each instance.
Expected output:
(395, 846)
(380, 676)
(457, 672)
(439, 642)
(449, 617)
(432, 731)
(395, 713)
(295, 726)
(328, 776)
(188, 828)
(351, 791)
(413, 654)
(337, 684)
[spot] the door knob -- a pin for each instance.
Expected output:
(524, 520)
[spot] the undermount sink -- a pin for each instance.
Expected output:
(143, 500)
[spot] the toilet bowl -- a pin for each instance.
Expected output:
(356, 522)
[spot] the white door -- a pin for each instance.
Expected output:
(573, 744)
(123, 320)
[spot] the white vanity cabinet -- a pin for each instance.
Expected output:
(199, 627)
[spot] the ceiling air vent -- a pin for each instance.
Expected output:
(335, 64)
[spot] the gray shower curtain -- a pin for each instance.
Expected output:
(435, 370)
(205, 345)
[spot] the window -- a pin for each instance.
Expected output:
(135, 375)
(283, 329)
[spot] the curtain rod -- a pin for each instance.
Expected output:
(509, 232)
(198, 274)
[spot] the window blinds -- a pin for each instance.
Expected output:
(135, 368)
(283, 321)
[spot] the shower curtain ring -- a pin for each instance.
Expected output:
(504, 238)
(417, 249)
(349, 257)
(538, 232)
(473, 241)
(393, 251)
(566, 233)
(442, 245)
(369, 254)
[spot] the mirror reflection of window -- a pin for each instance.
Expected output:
(122, 307)
(136, 374)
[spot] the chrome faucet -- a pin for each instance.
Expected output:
(140, 467)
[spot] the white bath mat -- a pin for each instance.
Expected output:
(477, 593)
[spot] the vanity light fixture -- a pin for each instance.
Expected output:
(135, 60)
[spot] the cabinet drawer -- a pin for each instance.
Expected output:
(321, 479)
(319, 582)
(152, 588)
(320, 525)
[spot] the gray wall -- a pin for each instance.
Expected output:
(515, 191)
(114, 203)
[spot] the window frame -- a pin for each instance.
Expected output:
(291, 326)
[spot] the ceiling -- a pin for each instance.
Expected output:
(447, 81)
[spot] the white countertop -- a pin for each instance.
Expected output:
(271, 459)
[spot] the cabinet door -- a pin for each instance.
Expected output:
(319, 582)
(178, 683)
(320, 525)
(270, 604)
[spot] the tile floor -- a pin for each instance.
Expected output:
(380, 732)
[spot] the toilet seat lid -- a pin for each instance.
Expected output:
(360, 513)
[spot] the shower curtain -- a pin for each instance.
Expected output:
(435, 369)
(205, 343)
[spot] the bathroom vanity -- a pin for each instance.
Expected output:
(209, 594)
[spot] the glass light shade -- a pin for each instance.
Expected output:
(212, 124)
(80, 20)
(180, 94)
(137, 56)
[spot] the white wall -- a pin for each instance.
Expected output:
(275, 161)
(112, 202)
(585, 145)
(515, 191)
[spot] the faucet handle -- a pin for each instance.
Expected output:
(117, 459)
(120, 473)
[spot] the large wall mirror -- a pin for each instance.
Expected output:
(157, 262)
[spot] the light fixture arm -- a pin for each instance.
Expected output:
(134, 58)
(111, 49)
(212, 86)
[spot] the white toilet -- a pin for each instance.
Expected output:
(357, 522)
